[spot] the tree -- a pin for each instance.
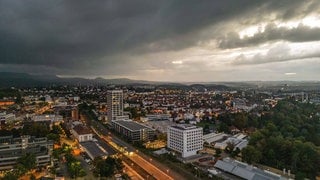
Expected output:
(133, 112)
(24, 164)
(162, 137)
(56, 129)
(27, 161)
(10, 176)
(19, 100)
(289, 139)
(74, 166)
(218, 153)
(206, 128)
(235, 153)
(223, 127)
(32, 177)
(54, 137)
(241, 120)
(107, 167)
(38, 129)
(75, 169)
(251, 154)
(230, 147)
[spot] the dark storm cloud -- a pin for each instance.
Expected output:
(271, 33)
(78, 36)
(62, 33)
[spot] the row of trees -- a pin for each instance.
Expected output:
(37, 129)
(289, 139)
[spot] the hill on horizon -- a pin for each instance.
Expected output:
(13, 79)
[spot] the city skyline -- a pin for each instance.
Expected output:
(178, 41)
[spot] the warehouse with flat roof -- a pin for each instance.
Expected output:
(246, 171)
(93, 149)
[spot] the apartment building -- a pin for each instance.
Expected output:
(115, 104)
(12, 149)
(185, 139)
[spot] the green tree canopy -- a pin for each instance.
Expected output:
(251, 155)
(290, 138)
(28, 161)
(107, 167)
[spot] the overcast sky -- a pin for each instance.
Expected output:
(163, 40)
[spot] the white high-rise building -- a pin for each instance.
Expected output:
(185, 139)
(115, 105)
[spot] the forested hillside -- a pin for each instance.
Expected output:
(289, 139)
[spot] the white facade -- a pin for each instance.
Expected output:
(81, 137)
(84, 137)
(185, 139)
(115, 104)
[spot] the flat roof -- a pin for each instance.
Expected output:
(93, 149)
(185, 126)
(133, 126)
(245, 171)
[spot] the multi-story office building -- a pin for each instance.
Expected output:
(185, 139)
(115, 105)
(133, 131)
(12, 149)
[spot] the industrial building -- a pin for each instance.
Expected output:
(93, 150)
(246, 171)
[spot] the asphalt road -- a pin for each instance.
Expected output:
(99, 130)
(145, 167)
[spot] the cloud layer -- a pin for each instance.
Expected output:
(156, 40)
